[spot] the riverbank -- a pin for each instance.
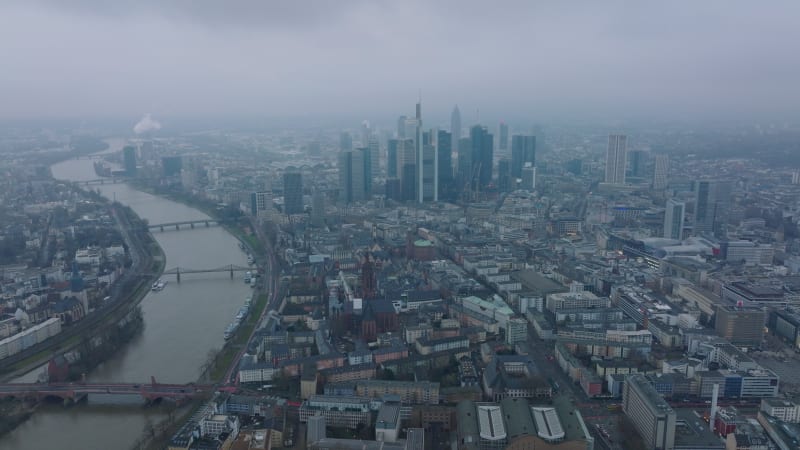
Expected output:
(218, 364)
(230, 218)
(127, 293)
(14, 412)
(102, 335)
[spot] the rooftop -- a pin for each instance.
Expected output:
(646, 389)
(490, 422)
(518, 416)
(692, 432)
(388, 416)
(548, 427)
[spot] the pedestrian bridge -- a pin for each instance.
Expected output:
(122, 393)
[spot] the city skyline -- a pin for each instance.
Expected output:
(237, 225)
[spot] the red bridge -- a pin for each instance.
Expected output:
(148, 393)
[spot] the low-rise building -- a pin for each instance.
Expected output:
(427, 346)
(338, 411)
(387, 424)
(783, 410)
(410, 392)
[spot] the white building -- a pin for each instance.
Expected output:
(517, 330)
(781, 409)
(751, 253)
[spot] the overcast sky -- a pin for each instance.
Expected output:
(193, 58)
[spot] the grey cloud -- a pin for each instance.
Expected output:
(535, 59)
(251, 13)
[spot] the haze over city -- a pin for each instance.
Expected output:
(606, 61)
(399, 225)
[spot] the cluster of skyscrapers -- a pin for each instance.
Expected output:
(420, 163)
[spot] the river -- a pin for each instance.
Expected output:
(183, 323)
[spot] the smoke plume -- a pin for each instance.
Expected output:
(146, 124)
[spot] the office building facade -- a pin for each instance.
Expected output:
(129, 159)
(355, 178)
(637, 163)
(444, 154)
(704, 206)
(660, 172)
(293, 192)
(482, 156)
(523, 150)
(674, 219)
(502, 142)
(741, 325)
(616, 158)
(652, 417)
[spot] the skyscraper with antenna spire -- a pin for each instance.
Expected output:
(455, 127)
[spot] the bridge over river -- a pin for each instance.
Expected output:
(107, 393)
(230, 268)
(183, 223)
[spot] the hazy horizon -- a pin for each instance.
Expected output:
(518, 61)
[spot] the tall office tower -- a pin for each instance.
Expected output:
(401, 127)
(455, 127)
(503, 139)
(419, 146)
(366, 133)
(528, 177)
(411, 126)
(464, 171)
(504, 175)
(393, 191)
(673, 219)
(129, 158)
(615, 159)
(723, 197)
(652, 416)
(444, 153)
(345, 142)
(352, 176)
(482, 155)
(406, 165)
(660, 172)
(523, 150)
(366, 159)
(374, 155)
(541, 138)
(391, 158)
(637, 160)
(293, 191)
(796, 176)
(430, 175)
(318, 208)
(704, 206)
